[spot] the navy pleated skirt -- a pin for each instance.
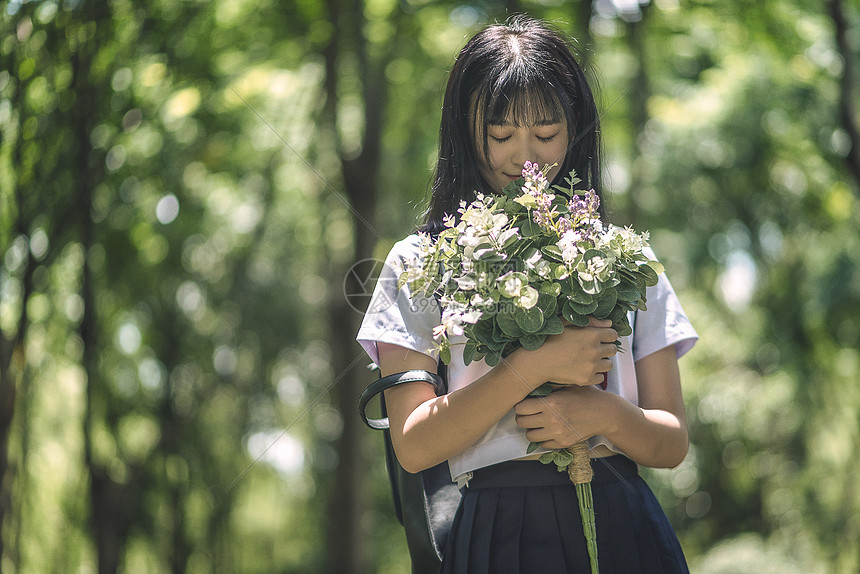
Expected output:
(523, 517)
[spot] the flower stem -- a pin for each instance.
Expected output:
(580, 474)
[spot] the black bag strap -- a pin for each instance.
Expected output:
(425, 503)
(376, 387)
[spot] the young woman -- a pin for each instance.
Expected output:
(517, 93)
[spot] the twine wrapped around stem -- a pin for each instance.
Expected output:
(579, 470)
(580, 473)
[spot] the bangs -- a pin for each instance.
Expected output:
(521, 97)
(512, 99)
(524, 106)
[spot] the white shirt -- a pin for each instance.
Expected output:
(393, 316)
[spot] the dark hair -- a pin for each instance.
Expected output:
(520, 70)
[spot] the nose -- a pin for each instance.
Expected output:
(524, 152)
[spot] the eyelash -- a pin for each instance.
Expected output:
(504, 139)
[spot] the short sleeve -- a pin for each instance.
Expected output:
(663, 324)
(393, 315)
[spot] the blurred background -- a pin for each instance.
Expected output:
(185, 185)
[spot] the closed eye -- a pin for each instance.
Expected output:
(547, 139)
(500, 140)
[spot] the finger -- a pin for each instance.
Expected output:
(609, 350)
(528, 407)
(528, 421)
(608, 335)
(538, 435)
(603, 366)
(595, 322)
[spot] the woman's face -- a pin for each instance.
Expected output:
(509, 146)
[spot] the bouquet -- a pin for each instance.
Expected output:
(515, 264)
(512, 266)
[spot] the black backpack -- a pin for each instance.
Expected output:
(425, 503)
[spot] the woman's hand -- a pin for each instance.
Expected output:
(652, 434)
(564, 417)
(579, 356)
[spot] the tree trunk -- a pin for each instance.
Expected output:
(13, 355)
(848, 84)
(110, 500)
(346, 538)
(638, 95)
(583, 10)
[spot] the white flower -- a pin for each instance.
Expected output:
(569, 244)
(528, 297)
(454, 315)
(512, 283)
(479, 301)
(472, 316)
(467, 282)
(622, 243)
(543, 269)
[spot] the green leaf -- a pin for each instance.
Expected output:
(552, 288)
(566, 286)
(623, 328)
(562, 458)
(469, 352)
(529, 228)
(445, 355)
(509, 325)
(482, 332)
(573, 317)
(547, 304)
(508, 237)
(579, 296)
(552, 326)
(592, 253)
(547, 457)
(529, 320)
(606, 303)
(513, 208)
(499, 336)
(533, 446)
(529, 253)
(552, 252)
(492, 359)
(531, 342)
(627, 292)
(543, 390)
(656, 266)
(617, 315)
(514, 188)
(586, 309)
(560, 202)
(649, 273)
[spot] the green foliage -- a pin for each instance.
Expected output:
(170, 211)
(510, 267)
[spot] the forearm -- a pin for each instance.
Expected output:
(651, 437)
(442, 427)
(427, 430)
